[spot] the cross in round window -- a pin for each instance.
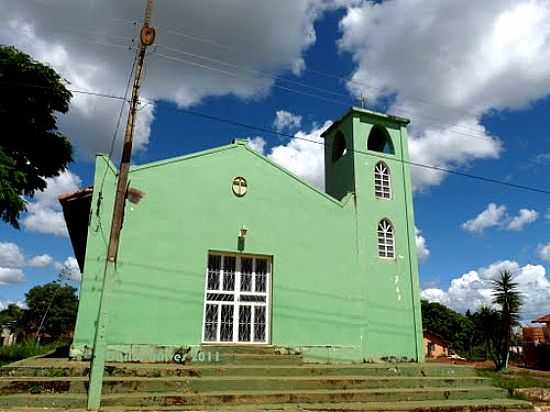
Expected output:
(239, 186)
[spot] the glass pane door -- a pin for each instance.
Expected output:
(237, 299)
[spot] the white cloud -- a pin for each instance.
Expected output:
(422, 250)
(257, 143)
(302, 157)
(286, 121)
(12, 260)
(11, 255)
(4, 304)
(497, 216)
(490, 217)
(11, 275)
(473, 289)
(435, 295)
(69, 269)
(44, 213)
(544, 251)
(444, 147)
(447, 65)
(524, 218)
(89, 47)
(40, 261)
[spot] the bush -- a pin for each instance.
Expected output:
(22, 350)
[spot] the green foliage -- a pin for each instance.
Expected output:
(487, 324)
(31, 147)
(486, 332)
(508, 297)
(54, 303)
(515, 380)
(22, 350)
(454, 327)
(12, 314)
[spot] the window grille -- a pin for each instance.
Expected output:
(382, 181)
(386, 241)
(237, 302)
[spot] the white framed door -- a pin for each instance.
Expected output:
(237, 299)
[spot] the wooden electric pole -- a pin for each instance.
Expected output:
(147, 37)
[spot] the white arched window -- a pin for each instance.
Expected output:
(382, 181)
(386, 239)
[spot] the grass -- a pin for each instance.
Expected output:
(515, 380)
(22, 350)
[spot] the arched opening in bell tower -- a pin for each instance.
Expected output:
(379, 140)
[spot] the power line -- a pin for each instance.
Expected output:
(222, 71)
(12, 85)
(119, 119)
(382, 89)
(181, 33)
(254, 71)
(352, 81)
(416, 164)
(433, 121)
(274, 132)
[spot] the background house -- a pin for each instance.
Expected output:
(435, 346)
(536, 344)
(8, 336)
(538, 334)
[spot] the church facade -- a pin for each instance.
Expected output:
(226, 247)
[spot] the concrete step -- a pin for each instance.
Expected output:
(494, 405)
(63, 367)
(12, 385)
(162, 399)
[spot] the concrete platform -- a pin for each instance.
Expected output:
(255, 380)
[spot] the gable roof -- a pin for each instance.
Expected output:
(77, 205)
(543, 319)
(242, 144)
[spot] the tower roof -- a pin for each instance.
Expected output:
(370, 113)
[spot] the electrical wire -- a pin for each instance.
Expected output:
(12, 85)
(120, 113)
(409, 162)
(181, 33)
(336, 76)
(461, 130)
(277, 133)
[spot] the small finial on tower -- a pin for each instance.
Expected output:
(363, 99)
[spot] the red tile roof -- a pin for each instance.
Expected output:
(543, 319)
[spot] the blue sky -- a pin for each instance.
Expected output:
(476, 95)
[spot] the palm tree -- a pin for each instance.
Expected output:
(508, 297)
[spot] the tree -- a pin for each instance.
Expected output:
(452, 326)
(12, 313)
(31, 147)
(508, 297)
(487, 324)
(51, 311)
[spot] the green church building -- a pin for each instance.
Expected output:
(226, 247)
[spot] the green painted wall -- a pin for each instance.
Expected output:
(332, 296)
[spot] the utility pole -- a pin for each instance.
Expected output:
(147, 37)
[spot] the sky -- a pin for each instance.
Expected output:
(472, 77)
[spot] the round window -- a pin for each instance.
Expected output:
(239, 186)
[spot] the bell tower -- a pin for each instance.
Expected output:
(366, 153)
